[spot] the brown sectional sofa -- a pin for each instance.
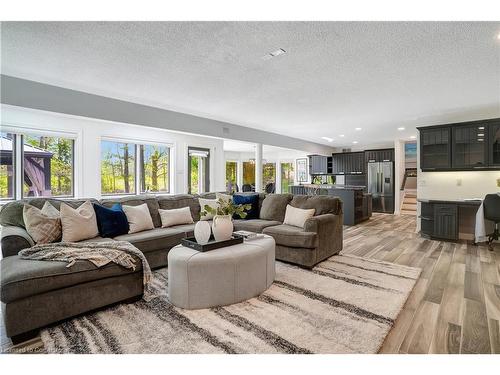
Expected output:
(38, 293)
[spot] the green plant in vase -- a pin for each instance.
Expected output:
(222, 226)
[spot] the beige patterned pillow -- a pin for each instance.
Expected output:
(44, 225)
(78, 224)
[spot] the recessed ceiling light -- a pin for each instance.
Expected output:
(357, 129)
(354, 142)
(413, 137)
(328, 139)
(401, 129)
(341, 135)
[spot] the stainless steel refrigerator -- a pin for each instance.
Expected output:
(381, 186)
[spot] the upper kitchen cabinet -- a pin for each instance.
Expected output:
(494, 145)
(469, 146)
(466, 146)
(386, 154)
(348, 163)
(435, 150)
(318, 164)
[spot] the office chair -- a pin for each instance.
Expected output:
(491, 207)
(246, 187)
(270, 188)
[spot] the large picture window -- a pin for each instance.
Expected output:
(154, 164)
(117, 168)
(7, 166)
(47, 166)
(198, 170)
(287, 177)
(269, 177)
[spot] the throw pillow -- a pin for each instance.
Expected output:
(252, 199)
(78, 224)
(297, 216)
(111, 222)
(44, 225)
(207, 202)
(176, 216)
(138, 217)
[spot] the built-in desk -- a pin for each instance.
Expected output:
(448, 219)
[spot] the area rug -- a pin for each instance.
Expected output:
(345, 304)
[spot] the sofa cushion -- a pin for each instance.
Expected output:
(188, 229)
(139, 218)
(44, 225)
(254, 225)
(112, 221)
(297, 216)
(137, 200)
(11, 214)
(274, 206)
(212, 203)
(321, 203)
(169, 202)
(154, 239)
(21, 278)
(253, 200)
(288, 235)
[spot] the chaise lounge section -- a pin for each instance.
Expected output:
(36, 293)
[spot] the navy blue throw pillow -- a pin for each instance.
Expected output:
(111, 222)
(252, 199)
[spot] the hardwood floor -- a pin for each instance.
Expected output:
(454, 307)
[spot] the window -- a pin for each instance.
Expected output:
(117, 168)
(154, 166)
(47, 166)
(231, 176)
(198, 170)
(269, 177)
(287, 176)
(248, 176)
(7, 166)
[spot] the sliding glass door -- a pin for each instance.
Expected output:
(198, 170)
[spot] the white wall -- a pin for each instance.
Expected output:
(399, 173)
(88, 133)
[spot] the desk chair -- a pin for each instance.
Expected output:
(491, 206)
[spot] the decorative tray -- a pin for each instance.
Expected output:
(212, 244)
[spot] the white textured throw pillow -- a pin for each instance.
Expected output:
(224, 197)
(209, 202)
(176, 216)
(138, 217)
(297, 216)
(44, 225)
(78, 224)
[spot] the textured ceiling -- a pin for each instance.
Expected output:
(335, 76)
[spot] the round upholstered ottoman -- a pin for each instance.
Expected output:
(224, 276)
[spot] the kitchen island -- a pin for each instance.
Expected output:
(357, 205)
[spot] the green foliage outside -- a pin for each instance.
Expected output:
(231, 174)
(248, 173)
(154, 168)
(194, 160)
(268, 174)
(61, 163)
(117, 167)
(287, 176)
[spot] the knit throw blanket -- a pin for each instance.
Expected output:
(99, 253)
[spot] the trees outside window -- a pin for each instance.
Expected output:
(117, 168)
(231, 175)
(47, 166)
(287, 176)
(154, 164)
(269, 177)
(249, 173)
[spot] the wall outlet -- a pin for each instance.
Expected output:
(459, 182)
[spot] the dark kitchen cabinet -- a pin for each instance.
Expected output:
(318, 164)
(372, 156)
(494, 145)
(435, 148)
(445, 221)
(469, 146)
(348, 163)
(466, 146)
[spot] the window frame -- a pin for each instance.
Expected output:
(15, 141)
(207, 168)
(169, 165)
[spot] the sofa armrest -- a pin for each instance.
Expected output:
(14, 239)
(330, 231)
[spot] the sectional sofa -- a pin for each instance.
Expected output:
(36, 293)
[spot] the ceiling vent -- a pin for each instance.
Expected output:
(225, 131)
(275, 53)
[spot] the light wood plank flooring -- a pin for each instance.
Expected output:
(454, 307)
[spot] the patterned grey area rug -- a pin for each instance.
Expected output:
(344, 305)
